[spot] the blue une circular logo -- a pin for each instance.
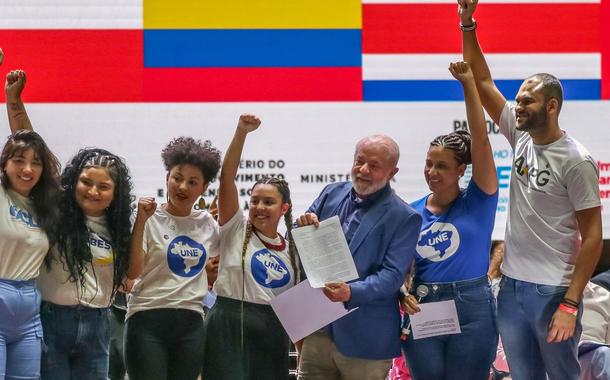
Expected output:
(269, 270)
(185, 257)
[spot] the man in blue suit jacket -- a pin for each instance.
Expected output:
(382, 231)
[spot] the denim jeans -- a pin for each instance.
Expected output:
(20, 330)
(524, 313)
(467, 355)
(76, 340)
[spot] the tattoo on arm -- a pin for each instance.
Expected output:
(14, 106)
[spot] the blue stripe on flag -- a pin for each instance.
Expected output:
(253, 48)
(451, 90)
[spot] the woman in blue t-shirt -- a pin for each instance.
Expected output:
(453, 248)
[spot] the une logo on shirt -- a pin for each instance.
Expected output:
(22, 216)
(439, 242)
(269, 270)
(185, 257)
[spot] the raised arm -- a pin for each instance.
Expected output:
(228, 201)
(146, 208)
(17, 115)
(483, 166)
(491, 98)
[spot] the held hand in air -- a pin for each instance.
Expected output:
(14, 85)
(248, 123)
(146, 208)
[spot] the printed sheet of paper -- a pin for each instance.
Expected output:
(303, 310)
(324, 253)
(435, 318)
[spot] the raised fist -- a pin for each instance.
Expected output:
(248, 123)
(14, 85)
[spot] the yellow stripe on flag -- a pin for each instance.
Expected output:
(252, 14)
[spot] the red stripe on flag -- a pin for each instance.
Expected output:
(107, 66)
(253, 84)
(605, 49)
(76, 65)
(503, 28)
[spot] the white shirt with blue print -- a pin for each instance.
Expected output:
(176, 250)
(54, 283)
(23, 244)
(454, 246)
(267, 272)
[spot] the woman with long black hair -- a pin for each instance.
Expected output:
(29, 179)
(88, 265)
(89, 257)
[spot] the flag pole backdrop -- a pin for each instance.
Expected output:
(129, 75)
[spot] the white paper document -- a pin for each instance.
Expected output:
(324, 253)
(435, 318)
(303, 310)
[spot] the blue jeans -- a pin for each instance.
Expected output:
(20, 330)
(524, 313)
(76, 342)
(467, 355)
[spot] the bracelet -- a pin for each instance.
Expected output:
(570, 302)
(468, 28)
(567, 309)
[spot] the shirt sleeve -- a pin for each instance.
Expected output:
(475, 196)
(508, 124)
(145, 236)
(235, 225)
(582, 182)
(215, 239)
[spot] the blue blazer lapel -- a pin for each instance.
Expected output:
(370, 219)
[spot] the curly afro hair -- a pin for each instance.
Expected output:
(187, 150)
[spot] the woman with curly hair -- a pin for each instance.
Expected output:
(89, 257)
(170, 247)
(244, 338)
(29, 179)
(88, 265)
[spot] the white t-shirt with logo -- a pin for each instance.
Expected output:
(267, 272)
(548, 184)
(54, 283)
(23, 244)
(176, 249)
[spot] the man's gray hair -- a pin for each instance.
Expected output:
(387, 142)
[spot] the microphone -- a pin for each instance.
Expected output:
(421, 292)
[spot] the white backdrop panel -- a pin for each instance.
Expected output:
(310, 144)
